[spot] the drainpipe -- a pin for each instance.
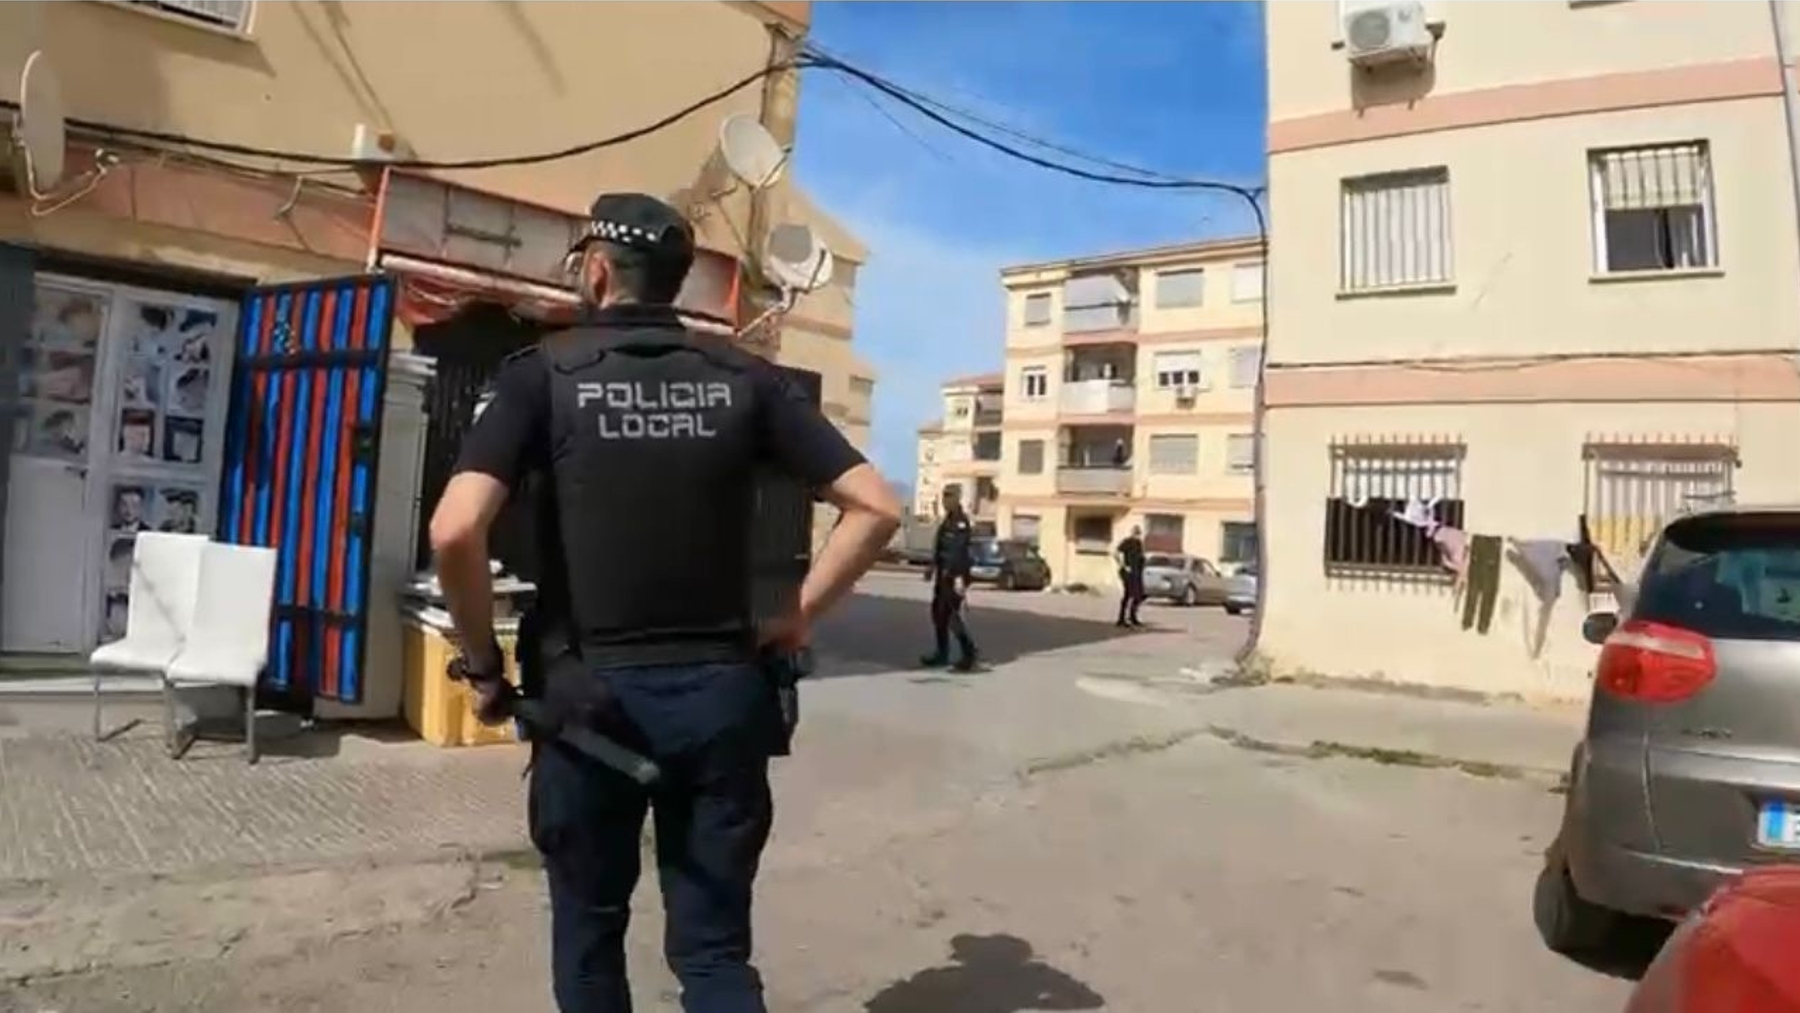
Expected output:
(1787, 106)
(777, 111)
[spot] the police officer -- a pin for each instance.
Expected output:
(951, 559)
(1130, 556)
(649, 437)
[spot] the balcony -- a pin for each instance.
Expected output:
(987, 418)
(1087, 480)
(1098, 397)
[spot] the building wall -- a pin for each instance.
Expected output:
(1528, 358)
(1224, 321)
(309, 71)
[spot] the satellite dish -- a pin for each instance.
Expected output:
(40, 127)
(750, 151)
(795, 260)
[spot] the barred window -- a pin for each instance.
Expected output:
(1653, 208)
(1372, 484)
(1632, 489)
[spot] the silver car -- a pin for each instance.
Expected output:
(1183, 579)
(1240, 590)
(1689, 771)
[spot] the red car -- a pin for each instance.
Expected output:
(1736, 954)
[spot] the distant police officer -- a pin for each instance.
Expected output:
(952, 557)
(647, 438)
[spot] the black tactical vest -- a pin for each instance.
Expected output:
(653, 447)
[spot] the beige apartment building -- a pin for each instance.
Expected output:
(1536, 264)
(1128, 400)
(963, 448)
(125, 279)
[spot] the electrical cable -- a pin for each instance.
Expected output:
(112, 131)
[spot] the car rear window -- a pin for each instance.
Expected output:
(985, 552)
(1729, 576)
(1169, 562)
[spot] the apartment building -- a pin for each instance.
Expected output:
(1128, 400)
(131, 397)
(1535, 268)
(963, 448)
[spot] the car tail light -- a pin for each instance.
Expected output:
(1655, 663)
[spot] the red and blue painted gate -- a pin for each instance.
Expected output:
(301, 448)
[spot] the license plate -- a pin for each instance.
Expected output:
(1778, 825)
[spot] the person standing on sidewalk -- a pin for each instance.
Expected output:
(1130, 555)
(952, 557)
(649, 438)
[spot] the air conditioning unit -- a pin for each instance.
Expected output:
(1382, 33)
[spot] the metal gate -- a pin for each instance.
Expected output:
(468, 350)
(300, 458)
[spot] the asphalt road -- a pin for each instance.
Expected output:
(1007, 841)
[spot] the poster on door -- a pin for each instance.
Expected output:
(165, 385)
(134, 507)
(56, 374)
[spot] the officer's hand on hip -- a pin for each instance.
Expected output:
(786, 633)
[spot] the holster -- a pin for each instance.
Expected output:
(784, 672)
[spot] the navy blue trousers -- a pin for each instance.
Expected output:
(712, 729)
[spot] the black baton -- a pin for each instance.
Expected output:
(578, 737)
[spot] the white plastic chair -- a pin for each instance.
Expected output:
(165, 583)
(230, 646)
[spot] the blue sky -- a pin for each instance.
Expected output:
(1176, 87)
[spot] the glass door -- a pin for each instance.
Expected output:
(52, 507)
(167, 365)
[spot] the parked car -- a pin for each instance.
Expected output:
(1009, 564)
(1183, 579)
(1240, 590)
(1689, 770)
(1733, 954)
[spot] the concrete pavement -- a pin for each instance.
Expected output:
(1151, 837)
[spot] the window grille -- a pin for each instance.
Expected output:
(1373, 482)
(1632, 489)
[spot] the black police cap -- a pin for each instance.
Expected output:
(638, 222)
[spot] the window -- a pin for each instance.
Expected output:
(959, 409)
(986, 492)
(1176, 369)
(1093, 534)
(1025, 528)
(1034, 383)
(1394, 231)
(1653, 208)
(1727, 576)
(1098, 302)
(987, 446)
(1240, 452)
(1631, 489)
(1373, 487)
(1037, 309)
(1246, 365)
(1247, 283)
(1031, 457)
(1175, 289)
(231, 15)
(1174, 454)
(1237, 542)
(1163, 532)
